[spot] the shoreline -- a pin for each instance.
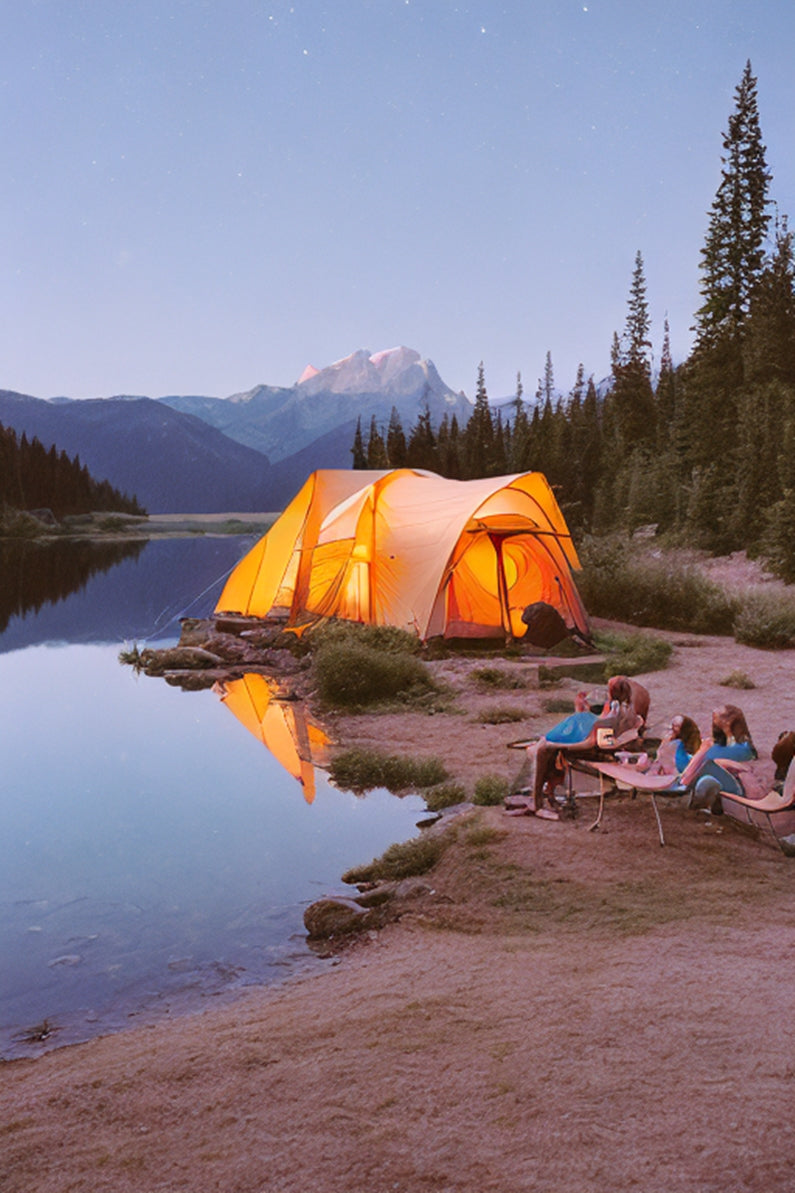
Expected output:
(110, 526)
(554, 1008)
(546, 1039)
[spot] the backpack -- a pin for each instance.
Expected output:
(545, 626)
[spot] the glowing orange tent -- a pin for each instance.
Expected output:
(291, 737)
(411, 549)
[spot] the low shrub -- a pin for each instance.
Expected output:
(402, 860)
(633, 654)
(352, 674)
(497, 677)
(767, 620)
(650, 592)
(558, 704)
(490, 790)
(737, 679)
(444, 795)
(362, 770)
(500, 715)
(385, 638)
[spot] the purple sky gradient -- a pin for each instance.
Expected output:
(200, 196)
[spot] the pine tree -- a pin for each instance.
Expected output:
(546, 384)
(448, 447)
(769, 344)
(479, 433)
(665, 395)
(733, 255)
(357, 450)
(376, 448)
(579, 384)
(422, 451)
(631, 395)
(519, 432)
(499, 460)
(396, 447)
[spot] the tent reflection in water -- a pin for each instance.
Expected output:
(459, 559)
(283, 728)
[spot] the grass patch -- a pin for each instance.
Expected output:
(402, 860)
(739, 680)
(352, 674)
(490, 790)
(478, 837)
(497, 677)
(500, 715)
(767, 620)
(558, 704)
(444, 795)
(633, 654)
(362, 770)
(130, 656)
(650, 592)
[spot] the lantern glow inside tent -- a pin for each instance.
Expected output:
(459, 559)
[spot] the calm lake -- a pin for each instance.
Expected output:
(153, 853)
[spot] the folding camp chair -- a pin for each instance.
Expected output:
(774, 810)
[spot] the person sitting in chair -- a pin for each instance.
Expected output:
(626, 708)
(676, 749)
(731, 738)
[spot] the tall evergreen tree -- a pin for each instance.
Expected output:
(632, 395)
(546, 384)
(479, 433)
(665, 395)
(519, 431)
(734, 252)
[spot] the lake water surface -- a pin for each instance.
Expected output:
(153, 853)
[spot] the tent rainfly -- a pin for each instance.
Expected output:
(409, 548)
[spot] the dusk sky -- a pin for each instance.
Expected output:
(202, 195)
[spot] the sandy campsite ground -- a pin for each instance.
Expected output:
(556, 1010)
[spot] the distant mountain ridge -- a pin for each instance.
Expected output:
(171, 462)
(280, 421)
(250, 451)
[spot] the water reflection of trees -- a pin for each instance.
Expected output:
(33, 574)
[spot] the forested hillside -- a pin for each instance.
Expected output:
(33, 477)
(705, 450)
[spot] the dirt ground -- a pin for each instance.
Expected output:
(557, 1010)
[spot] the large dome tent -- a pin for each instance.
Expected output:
(459, 559)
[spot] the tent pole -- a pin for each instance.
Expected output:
(502, 586)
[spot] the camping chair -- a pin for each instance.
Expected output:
(772, 809)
